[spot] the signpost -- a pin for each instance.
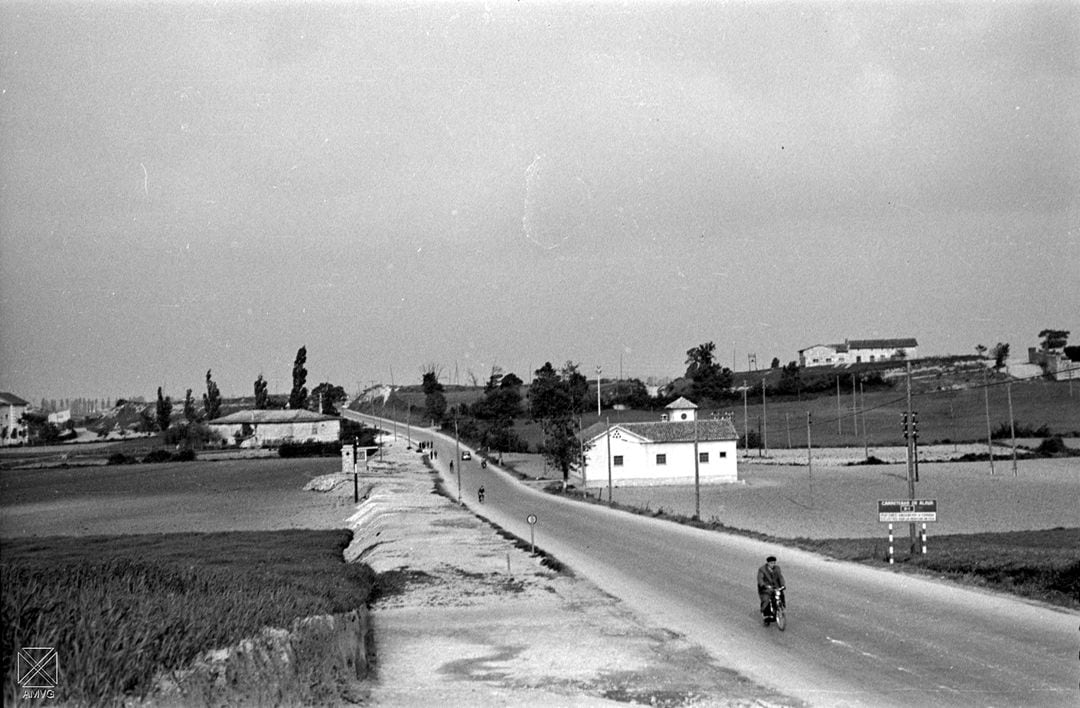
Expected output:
(906, 510)
(531, 518)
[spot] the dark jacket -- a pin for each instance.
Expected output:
(767, 578)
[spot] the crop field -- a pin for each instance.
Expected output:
(236, 495)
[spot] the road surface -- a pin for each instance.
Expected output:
(856, 636)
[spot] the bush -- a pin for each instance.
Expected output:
(1053, 446)
(158, 456)
(185, 455)
(119, 458)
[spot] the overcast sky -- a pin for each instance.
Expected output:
(393, 185)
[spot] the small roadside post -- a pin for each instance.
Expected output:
(531, 518)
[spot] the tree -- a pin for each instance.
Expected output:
(434, 400)
(190, 414)
(1053, 339)
(1000, 352)
(328, 396)
(700, 358)
(775, 362)
(212, 398)
(790, 380)
(163, 411)
(262, 398)
(980, 350)
(708, 379)
(554, 399)
(299, 394)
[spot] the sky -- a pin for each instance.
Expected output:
(403, 185)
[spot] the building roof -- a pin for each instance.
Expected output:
(669, 431)
(10, 399)
(882, 343)
(682, 403)
(272, 415)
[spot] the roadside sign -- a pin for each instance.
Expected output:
(531, 518)
(902, 510)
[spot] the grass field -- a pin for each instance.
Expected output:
(122, 609)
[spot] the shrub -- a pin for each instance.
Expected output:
(185, 455)
(1052, 446)
(158, 456)
(119, 458)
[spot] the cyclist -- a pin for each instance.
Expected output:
(769, 577)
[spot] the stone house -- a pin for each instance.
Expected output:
(272, 427)
(857, 351)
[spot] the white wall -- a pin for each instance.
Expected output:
(639, 463)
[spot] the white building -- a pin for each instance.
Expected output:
(269, 428)
(858, 351)
(12, 428)
(661, 452)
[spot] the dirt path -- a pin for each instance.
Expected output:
(482, 622)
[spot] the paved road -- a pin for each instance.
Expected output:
(856, 636)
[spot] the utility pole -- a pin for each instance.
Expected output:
(865, 439)
(910, 457)
(809, 460)
(854, 411)
(597, 390)
(609, 461)
(697, 478)
(839, 412)
(765, 430)
(1012, 427)
(989, 434)
(457, 457)
(745, 423)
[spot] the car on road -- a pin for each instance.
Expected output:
(466, 455)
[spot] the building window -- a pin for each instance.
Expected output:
(703, 457)
(723, 453)
(661, 459)
(617, 460)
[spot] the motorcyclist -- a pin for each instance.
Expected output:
(769, 577)
(480, 495)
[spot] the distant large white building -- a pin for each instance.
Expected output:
(857, 351)
(272, 427)
(661, 452)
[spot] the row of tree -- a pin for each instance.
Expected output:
(326, 396)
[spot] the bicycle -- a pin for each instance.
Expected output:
(777, 608)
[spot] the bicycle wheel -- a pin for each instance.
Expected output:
(781, 618)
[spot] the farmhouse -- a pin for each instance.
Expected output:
(12, 426)
(661, 452)
(856, 351)
(268, 428)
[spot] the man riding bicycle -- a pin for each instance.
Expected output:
(769, 577)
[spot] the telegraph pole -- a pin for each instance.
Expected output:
(457, 456)
(597, 390)
(910, 456)
(765, 420)
(1012, 427)
(697, 478)
(989, 434)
